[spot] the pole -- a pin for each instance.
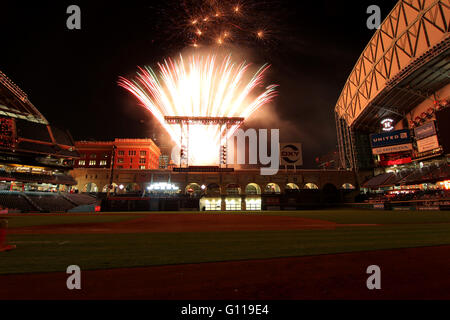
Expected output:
(187, 146)
(181, 142)
(111, 172)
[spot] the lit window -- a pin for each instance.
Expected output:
(120, 160)
(103, 163)
(92, 163)
(81, 162)
(142, 167)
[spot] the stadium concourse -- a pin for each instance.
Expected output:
(392, 115)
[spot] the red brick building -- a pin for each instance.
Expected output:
(128, 154)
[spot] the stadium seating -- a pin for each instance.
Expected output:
(80, 199)
(378, 180)
(50, 202)
(43, 201)
(16, 201)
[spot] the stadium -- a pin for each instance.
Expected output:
(45, 170)
(141, 225)
(393, 113)
(35, 157)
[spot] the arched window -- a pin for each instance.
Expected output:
(311, 186)
(348, 186)
(252, 189)
(193, 189)
(292, 186)
(90, 187)
(272, 188)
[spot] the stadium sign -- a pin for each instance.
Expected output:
(425, 131)
(399, 137)
(393, 149)
(387, 125)
(427, 144)
(291, 154)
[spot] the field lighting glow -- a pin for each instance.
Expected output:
(200, 86)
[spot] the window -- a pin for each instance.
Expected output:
(253, 204)
(143, 153)
(81, 162)
(142, 167)
(213, 205)
(92, 156)
(131, 160)
(105, 155)
(142, 160)
(233, 205)
(92, 163)
(103, 163)
(132, 153)
(119, 160)
(83, 155)
(121, 153)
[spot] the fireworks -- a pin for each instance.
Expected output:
(200, 23)
(200, 86)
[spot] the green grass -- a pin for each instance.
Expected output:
(54, 252)
(36, 220)
(357, 216)
(46, 253)
(343, 216)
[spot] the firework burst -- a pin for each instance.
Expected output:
(200, 86)
(221, 23)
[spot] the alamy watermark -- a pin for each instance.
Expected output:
(74, 280)
(374, 20)
(73, 22)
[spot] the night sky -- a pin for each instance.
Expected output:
(71, 75)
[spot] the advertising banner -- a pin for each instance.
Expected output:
(387, 163)
(428, 144)
(291, 154)
(425, 131)
(400, 137)
(392, 149)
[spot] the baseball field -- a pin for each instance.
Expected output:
(269, 255)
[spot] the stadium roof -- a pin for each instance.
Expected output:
(14, 102)
(405, 62)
